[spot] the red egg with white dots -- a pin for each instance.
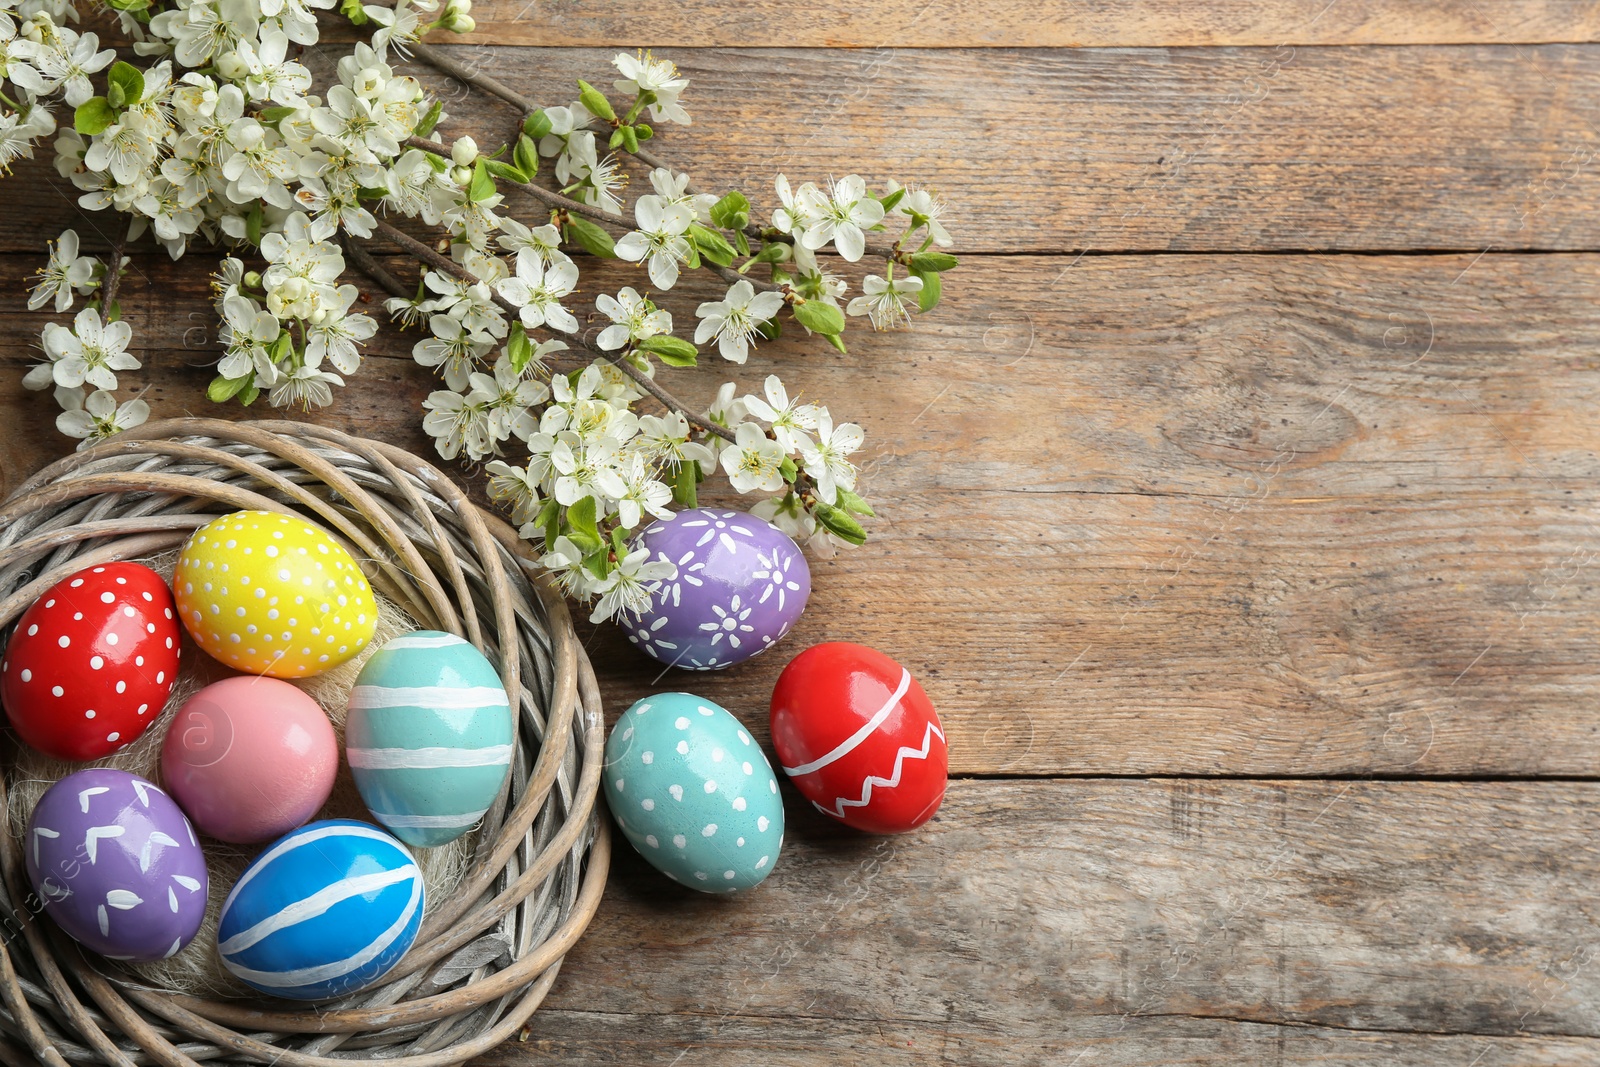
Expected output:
(90, 664)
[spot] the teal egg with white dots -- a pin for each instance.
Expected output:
(429, 736)
(694, 793)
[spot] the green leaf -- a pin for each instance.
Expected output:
(931, 289)
(770, 330)
(712, 245)
(933, 262)
(537, 124)
(674, 351)
(788, 469)
(549, 520)
(482, 186)
(526, 156)
(252, 223)
(595, 101)
(837, 342)
(889, 200)
(583, 530)
(590, 237)
(732, 212)
(518, 348)
(223, 389)
(616, 139)
(351, 9)
(271, 116)
(282, 347)
(630, 138)
(684, 480)
(850, 502)
(506, 171)
(431, 119)
(772, 252)
(741, 242)
(248, 394)
(126, 77)
(367, 193)
(93, 116)
(840, 522)
(819, 317)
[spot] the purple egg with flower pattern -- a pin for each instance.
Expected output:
(116, 864)
(741, 585)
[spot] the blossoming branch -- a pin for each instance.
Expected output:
(212, 133)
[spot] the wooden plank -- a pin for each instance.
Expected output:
(1161, 515)
(1121, 922)
(1012, 23)
(1038, 150)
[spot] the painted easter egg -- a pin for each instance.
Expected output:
(116, 865)
(249, 758)
(860, 738)
(694, 793)
(324, 911)
(741, 585)
(91, 663)
(273, 594)
(429, 736)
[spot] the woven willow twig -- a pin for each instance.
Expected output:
(487, 955)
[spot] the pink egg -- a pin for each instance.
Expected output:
(250, 758)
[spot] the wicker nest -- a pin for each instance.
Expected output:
(488, 953)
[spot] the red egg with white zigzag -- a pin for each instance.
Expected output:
(859, 738)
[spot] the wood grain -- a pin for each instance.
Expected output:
(1160, 515)
(1011, 23)
(1120, 922)
(1209, 149)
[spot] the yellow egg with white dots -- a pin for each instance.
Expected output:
(272, 594)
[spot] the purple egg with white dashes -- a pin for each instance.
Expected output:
(116, 864)
(741, 585)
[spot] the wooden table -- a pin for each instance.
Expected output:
(1238, 512)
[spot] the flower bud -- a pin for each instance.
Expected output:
(460, 175)
(464, 151)
(252, 279)
(462, 24)
(319, 316)
(230, 66)
(368, 83)
(461, 7)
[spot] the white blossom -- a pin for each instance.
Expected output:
(659, 238)
(827, 458)
(627, 589)
(789, 419)
(537, 289)
(633, 318)
(752, 462)
(100, 417)
(735, 319)
(885, 302)
(842, 216)
(65, 272)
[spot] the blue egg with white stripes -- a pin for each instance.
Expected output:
(429, 736)
(323, 912)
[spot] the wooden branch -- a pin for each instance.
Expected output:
(538, 192)
(467, 76)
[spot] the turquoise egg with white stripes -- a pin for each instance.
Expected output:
(694, 793)
(429, 736)
(326, 910)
